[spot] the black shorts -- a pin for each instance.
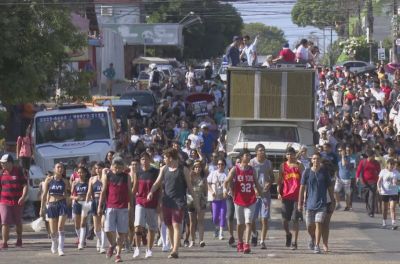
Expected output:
(289, 209)
(390, 198)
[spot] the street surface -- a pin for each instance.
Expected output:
(355, 238)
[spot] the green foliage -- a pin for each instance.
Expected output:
(270, 39)
(220, 22)
(32, 42)
(356, 48)
(320, 13)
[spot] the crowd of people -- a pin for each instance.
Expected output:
(166, 172)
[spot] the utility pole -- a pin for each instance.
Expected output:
(370, 28)
(395, 27)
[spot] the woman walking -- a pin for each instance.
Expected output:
(56, 190)
(93, 195)
(79, 207)
(196, 217)
(216, 196)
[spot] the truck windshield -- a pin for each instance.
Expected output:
(269, 133)
(72, 127)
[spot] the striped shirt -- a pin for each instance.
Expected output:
(12, 183)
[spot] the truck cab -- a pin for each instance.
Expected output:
(69, 134)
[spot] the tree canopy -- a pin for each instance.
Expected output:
(220, 22)
(33, 41)
(270, 39)
(320, 13)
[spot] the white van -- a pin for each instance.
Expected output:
(68, 134)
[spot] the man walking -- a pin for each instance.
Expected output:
(13, 191)
(176, 181)
(288, 187)
(109, 73)
(368, 174)
(316, 181)
(117, 192)
(265, 177)
(145, 210)
(244, 198)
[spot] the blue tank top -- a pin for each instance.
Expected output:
(81, 188)
(56, 187)
(97, 186)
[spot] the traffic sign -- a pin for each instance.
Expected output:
(381, 54)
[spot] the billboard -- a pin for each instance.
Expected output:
(149, 34)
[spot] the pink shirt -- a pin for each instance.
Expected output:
(25, 146)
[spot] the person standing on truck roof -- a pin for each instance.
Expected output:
(288, 187)
(13, 191)
(265, 177)
(286, 55)
(245, 184)
(233, 53)
(249, 51)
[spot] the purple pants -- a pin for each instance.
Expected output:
(219, 212)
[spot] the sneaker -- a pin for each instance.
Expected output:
(202, 244)
(191, 244)
(18, 243)
(136, 252)
(186, 243)
(98, 245)
(216, 231)
(110, 251)
(53, 248)
(61, 252)
(338, 206)
(288, 239)
(173, 255)
(246, 248)
(239, 247)
(311, 245)
(102, 251)
(294, 246)
(346, 209)
(371, 215)
(317, 250)
(231, 241)
(128, 247)
(254, 240)
(221, 236)
(4, 246)
(118, 259)
(383, 226)
(394, 227)
(80, 247)
(149, 254)
(159, 242)
(165, 248)
(263, 246)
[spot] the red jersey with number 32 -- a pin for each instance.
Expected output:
(244, 194)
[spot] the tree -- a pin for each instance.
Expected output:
(220, 22)
(270, 39)
(33, 42)
(320, 13)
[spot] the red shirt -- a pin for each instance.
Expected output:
(12, 183)
(117, 190)
(291, 182)
(146, 179)
(287, 55)
(370, 170)
(243, 186)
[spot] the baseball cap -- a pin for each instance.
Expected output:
(203, 126)
(286, 45)
(6, 158)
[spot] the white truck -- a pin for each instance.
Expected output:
(275, 107)
(68, 134)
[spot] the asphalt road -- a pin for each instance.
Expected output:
(355, 238)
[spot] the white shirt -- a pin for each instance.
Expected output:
(249, 51)
(216, 179)
(337, 97)
(196, 141)
(389, 182)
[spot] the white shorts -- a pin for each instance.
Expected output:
(146, 216)
(343, 184)
(245, 215)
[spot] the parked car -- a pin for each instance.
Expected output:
(146, 100)
(357, 66)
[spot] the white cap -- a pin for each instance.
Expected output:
(6, 158)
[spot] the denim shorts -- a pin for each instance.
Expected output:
(262, 208)
(315, 216)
